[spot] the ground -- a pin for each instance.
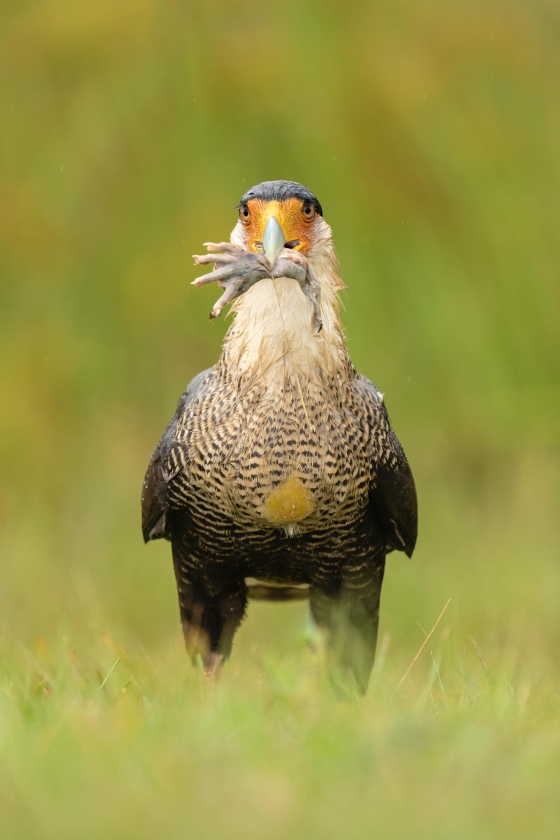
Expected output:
(106, 738)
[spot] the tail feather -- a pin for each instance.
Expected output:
(260, 590)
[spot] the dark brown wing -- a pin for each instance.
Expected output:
(393, 492)
(162, 468)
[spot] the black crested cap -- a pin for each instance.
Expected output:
(280, 191)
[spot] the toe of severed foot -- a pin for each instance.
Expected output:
(236, 270)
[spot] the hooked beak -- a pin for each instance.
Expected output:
(273, 240)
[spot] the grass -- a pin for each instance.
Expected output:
(120, 741)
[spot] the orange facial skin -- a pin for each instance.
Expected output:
(296, 218)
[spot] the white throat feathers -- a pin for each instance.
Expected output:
(272, 335)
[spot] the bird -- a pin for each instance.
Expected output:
(279, 476)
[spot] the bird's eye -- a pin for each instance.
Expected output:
(308, 212)
(245, 214)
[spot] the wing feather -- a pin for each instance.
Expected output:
(164, 465)
(393, 492)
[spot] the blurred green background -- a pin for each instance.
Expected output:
(431, 134)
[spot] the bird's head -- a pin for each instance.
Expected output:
(282, 214)
(280, 327)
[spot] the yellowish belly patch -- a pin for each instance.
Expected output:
(289, 503)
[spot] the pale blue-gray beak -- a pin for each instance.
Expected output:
(273, 240)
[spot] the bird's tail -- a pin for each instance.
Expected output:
(260, 590)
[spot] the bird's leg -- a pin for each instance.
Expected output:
(349, 619)
(236, 270)
(210, 621)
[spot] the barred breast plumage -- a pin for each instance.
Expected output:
(241, 448)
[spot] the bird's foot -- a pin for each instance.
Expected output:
(236, 270)
(213, 662)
